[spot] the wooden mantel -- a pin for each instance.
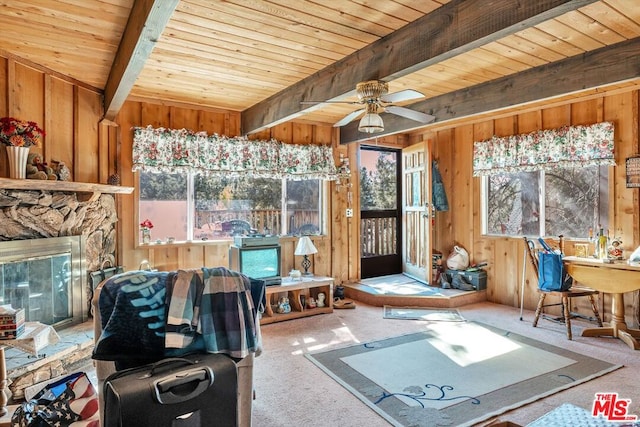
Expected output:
(78, 187)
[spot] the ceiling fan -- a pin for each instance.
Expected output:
(375, 96)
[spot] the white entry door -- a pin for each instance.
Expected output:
(416, 212)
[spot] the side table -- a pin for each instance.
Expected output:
(298, 291)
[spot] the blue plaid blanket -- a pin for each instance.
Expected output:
(213, 306)
(149, 315)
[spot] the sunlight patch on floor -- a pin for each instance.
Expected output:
(405, 289)
(341, 336)
(466, 344)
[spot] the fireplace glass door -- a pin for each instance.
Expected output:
(45, 277)
(41, 286)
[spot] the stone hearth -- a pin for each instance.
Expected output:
(72, 351)
(42, 214)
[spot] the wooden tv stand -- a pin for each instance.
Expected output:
(295, 289)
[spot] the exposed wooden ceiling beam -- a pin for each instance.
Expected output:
(450, 30)
(607, 65)
(146, 23)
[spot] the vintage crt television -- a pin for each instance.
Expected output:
(257, 262)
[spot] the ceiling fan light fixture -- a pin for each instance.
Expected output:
(371, 123)
(371, 90)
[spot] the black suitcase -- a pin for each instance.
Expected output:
(197, 390)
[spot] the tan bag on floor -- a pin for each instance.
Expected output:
(458, 259)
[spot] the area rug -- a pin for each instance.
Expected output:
(423, 313)
(455, 373)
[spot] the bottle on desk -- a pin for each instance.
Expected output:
(602, 245)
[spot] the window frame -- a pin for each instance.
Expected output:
(323, 213)
(602, 210)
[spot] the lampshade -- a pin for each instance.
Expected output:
(305, 247)
(371, 123)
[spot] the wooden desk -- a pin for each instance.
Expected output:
(614, 279)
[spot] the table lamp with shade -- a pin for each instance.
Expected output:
(305, 248)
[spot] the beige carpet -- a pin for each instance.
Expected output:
(290, 390)
(455, 373)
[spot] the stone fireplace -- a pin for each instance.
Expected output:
(65, 234)
(79, 220)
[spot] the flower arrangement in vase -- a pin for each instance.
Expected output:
(18, 135)
(145, 227)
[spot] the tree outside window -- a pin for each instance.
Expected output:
(378, 202)
(378, 180)
(574, 200)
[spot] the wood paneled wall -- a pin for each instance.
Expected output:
(70, 115)
(453, 149)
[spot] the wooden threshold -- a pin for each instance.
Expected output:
(448, 300)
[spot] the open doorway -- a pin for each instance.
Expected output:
(380, 212)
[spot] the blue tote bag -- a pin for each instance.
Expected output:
(551, 273)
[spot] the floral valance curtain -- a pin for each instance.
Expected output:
(569, 146)
(185, 151)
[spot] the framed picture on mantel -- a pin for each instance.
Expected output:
(633, 172)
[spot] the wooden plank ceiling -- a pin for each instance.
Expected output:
(264, 57)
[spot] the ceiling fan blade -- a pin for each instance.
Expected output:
(348, 118)
(331, 102)
(403, 95)
(410, 114)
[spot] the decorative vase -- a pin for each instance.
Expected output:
(17, 161)
(146, 236)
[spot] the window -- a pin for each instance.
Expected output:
(163, 200)
(574, 200)
(225, 206)
(378, 179)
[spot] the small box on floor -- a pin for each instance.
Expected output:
(11, 322)
(477, 278)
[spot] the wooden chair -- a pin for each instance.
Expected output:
(565, 296)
